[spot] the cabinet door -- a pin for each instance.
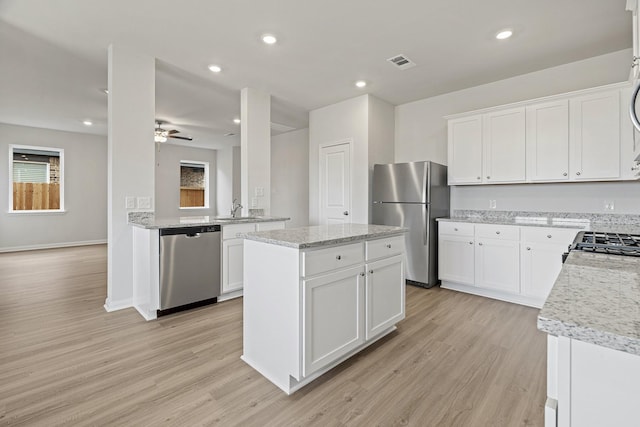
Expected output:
(456, 259)
(498, 265)
(232, 265)
(465, 150)
(333, 317)
(547, 141)
(594, 141)
(540, 265)
(384, 292)
(503, 139)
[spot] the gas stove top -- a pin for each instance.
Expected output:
(607, 243)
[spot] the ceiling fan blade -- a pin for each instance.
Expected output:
(172, 131)
(186, 138)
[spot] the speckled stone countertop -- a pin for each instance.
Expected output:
(323, 235)
(596, 299)
(616, 223)
(148, 220)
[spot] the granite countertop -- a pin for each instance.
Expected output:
(149, 221)
(614, 223)
(323, 235)
(596, 299)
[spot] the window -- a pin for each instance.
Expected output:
(36, 179)
(194, 184)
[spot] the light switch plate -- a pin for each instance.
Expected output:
(254, 202)
(129, 202)
(144, 202)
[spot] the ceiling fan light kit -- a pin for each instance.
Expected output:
(162, 135)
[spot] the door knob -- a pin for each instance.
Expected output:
(345, 213)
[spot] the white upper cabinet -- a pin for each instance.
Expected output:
(548, 141)
(503, 146)
(465, 150)
(594, 141)
(582, 136)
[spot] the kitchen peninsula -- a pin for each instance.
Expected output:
(315, 296)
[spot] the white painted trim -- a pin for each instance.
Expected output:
(489, 293)
(524, 103)
(53, 245)
(349, 142)
(110, 306)
(230, 295)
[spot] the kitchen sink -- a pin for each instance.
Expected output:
(231, 218)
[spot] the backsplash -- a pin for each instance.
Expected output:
(621, 219)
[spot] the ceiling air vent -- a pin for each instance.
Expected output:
(402, 62)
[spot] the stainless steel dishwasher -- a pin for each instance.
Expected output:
(189, 267)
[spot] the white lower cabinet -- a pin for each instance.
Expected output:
(384, 295)
(497, 265)
(306, 310)
(333, 321)
(232, 252)
(512, 263)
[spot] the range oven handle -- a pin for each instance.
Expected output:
(632, 108)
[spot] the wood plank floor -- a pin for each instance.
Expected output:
(456, 360)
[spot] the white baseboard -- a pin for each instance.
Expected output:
(110, 306)
(489, 293)
(53, 245)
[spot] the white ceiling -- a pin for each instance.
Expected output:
(54, 53)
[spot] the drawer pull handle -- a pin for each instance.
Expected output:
(339, 257)
(455, 229)
(478, 178)
(564, 174)
(577, 173)
(528, 248)
(480, 244)
(362, 274)
(488, 177)
(497, 232)
(389, 245)
(471, 243)
(370, 271)
(548, 236)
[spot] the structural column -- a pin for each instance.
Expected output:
(255, 142)
(131, 162)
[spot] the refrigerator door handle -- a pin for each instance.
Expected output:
(426, 191)
(425, 224)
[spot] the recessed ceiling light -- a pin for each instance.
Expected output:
(87, 122)
(236, 121)
(504, 34)
(269, 38)
(215, 68)
(361, 83)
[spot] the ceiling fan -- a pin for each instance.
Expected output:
(161, 134)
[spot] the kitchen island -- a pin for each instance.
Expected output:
(315, 296)
(592, 318)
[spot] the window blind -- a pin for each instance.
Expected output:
(30, 172)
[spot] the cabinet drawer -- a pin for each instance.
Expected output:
(502, 232)
(456, 228)
(232, 231)
(548, 235)
(384, 247)
(334, 258)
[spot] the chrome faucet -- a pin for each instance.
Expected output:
(234, 207)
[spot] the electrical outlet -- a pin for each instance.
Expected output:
(254, 202)
(609, 205)
(129, 202)
(144, 202)
(492, 204)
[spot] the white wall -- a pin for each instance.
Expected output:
(85, 192)
(421, 134)
(168, 159)
(290, 177)
(381, 135)
(337, 122)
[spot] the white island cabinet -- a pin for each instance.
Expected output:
(314, 296)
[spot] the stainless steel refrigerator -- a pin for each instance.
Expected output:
(413, 195)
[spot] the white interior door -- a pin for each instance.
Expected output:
(335, 183)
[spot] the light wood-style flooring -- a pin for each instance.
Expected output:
(456, 360)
